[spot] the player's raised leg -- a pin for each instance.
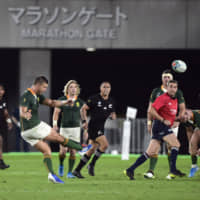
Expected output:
(55, 137)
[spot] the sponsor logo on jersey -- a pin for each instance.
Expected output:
(77, 104)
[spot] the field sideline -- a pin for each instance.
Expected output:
(27, 179)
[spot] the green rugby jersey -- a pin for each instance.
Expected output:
(195, 122)
(30, 100)
(70, 115)
(160, 90)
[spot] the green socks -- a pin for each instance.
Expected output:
(194, 159)
(48, 163)
(71, 163)
(153, 162)
(71, 144)
(61, 158)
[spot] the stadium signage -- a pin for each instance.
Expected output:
(63, 23)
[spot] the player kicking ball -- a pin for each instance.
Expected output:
(36, 132)
(192, 118)
(164, 110)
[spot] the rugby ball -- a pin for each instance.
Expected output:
(179, 66)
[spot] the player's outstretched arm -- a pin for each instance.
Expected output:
(56, 103)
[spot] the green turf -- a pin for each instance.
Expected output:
(27, 179)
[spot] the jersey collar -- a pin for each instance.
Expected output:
(163, 89)
(32, 92)
(74, 99)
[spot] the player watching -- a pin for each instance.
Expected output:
(101, 106)
(4, 117)
(70, 123)
(36, 132)
(166, 77)
(164, 111)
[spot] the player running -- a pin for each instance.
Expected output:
(100, 106)
(4, 117)
(192, 120)
(166, 77)
(164, 111)
(36, 132)
(70, 124)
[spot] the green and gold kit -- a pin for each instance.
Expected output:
(70, 115)
(161, 90)
(195, 121)
(31, 100)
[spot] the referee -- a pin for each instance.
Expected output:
(100, 106)
(4, 117)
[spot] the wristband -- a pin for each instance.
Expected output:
(55, 122)
(149, 122)
(8, 120)
(83, 121)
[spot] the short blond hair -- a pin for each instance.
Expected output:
(65, 90)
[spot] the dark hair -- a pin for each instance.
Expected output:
(173, 81)
(167, 71)
(1, 85)
(40, 80)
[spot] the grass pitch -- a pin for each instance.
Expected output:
(26, 179)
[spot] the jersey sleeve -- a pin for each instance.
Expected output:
(180, 97)
(41, 98)
(159, 103)
(91, 102)
(153, 96)
(24, 101)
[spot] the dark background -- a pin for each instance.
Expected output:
(132, 73)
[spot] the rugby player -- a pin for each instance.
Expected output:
(100, 106)
(35, 131)
(4, 116)
(192, 121)
(163, 110)
(166, 77)
(70, 124)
